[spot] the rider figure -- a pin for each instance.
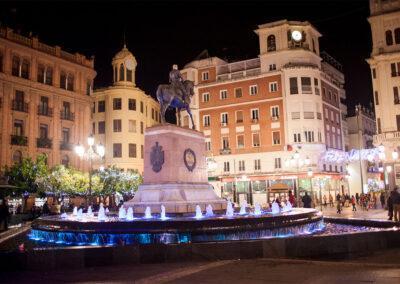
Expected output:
(176, 80)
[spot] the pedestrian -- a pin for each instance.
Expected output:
(358, 198)
(382, 198)
(46, 208)
(338, 207)
(330, 200)
(292, 199)
(396, 204)
(353, 202)
(390, 205)
(325, 200)
(306, 200)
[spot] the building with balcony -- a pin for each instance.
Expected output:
(361, 129)
(45, 100)
(121, 114)
(385, 72)
(264, 118)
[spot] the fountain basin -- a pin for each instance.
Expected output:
(114, 231)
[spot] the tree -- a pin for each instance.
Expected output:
(25, 175)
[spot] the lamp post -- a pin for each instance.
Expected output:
(358, 109)
(299, 163)
(90, 153)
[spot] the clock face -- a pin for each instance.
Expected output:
(296, 35)
(129, 64)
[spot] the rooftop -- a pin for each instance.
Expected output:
(34, 43)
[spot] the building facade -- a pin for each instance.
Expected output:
(268, 119)
(385, 72)
(121, 114)
(363, 174)
(45, 100)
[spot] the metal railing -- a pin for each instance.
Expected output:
(67, 115)
(225, 151)
(45, 111)
(19, 140)
(19, 106)
(44, 143)
(66, 146)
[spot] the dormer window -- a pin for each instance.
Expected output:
(271, 43)
(66, 81)
(20, 68)
(45, 74)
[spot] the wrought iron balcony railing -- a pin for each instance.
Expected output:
(19, 140)
(44, 143)
(19, 106)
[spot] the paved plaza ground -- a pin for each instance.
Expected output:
(382, 267)
(371, 214)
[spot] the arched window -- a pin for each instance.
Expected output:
(15, 66)
(389, 37)
(65, 160)
(129, 75)
(121, 72)
(17, 157)
(397, 36)
(271, 45)
(313, 46)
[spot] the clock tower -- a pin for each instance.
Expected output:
(124, 67)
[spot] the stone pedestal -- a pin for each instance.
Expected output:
(175, 173)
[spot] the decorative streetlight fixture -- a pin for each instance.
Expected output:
(90, 154)
(295, 160)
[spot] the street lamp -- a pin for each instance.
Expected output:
(90, 154)
(358, 109)
(295, 160)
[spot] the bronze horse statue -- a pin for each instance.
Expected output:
(171, 96)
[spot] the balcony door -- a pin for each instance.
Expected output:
(44, 129)
(44, 105)
(18, 127)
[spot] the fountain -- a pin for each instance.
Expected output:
(101, 216)
(199, 213)
(162, 215)
(229, 209)
(209, 211)
(257, 209)
(107, 211)
(80, 214)
(243, 207)
(122, 213)
(75, 212)
(147, 213)
(287, 207)
(90, 212)
(64, 215)
(275, 208)
(129, 215)
(175, 182)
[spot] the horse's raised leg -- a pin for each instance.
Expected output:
(163, 109)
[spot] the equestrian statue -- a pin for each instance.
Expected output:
(177, 94)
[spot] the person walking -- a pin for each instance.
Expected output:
(396, 204)
(306, 200)
(358, 198)
(330, 200)
(4, 214)
(324, 200)
(353, 202)
(338, 207)
(390, 205)
(382, 198)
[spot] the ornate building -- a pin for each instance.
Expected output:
(121, 114)
(385, 73)
(267, 120)
(45, 100)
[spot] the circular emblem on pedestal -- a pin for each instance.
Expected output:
(189, 157)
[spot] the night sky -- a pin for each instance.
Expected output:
(160, 34)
